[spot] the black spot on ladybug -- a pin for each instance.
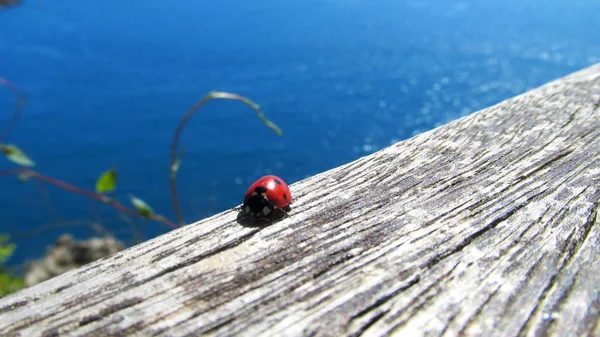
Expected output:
(277, 182)
(284, 196)
(260, 189)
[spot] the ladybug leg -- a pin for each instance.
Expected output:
(285, 211)
(240, 209)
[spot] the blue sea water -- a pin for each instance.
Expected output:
(108, 81)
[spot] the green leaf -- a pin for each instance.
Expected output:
(107, 181)
(9, 284)
(15, 155)
(142, 207)
(177, 162)
(6, 250)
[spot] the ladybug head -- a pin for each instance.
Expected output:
(258, 205)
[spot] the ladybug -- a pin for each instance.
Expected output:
(268, 195)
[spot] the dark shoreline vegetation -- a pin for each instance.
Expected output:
(6, 3)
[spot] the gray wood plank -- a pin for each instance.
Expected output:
(486, 226)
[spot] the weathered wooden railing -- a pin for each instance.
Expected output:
(487, 226)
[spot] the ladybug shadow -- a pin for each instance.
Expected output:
(247, 221)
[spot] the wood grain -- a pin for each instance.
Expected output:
(486, 226)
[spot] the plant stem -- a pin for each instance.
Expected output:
(99, 197)
(19, 103)
(93, 225)
(213, 95)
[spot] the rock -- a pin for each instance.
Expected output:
(67, 254)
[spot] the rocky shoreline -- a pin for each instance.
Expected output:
(66, 254)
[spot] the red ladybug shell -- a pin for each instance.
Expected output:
(277, 191)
